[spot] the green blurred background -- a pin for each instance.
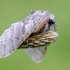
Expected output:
(58, 53)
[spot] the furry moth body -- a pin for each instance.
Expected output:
(17, 33)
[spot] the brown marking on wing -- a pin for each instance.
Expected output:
(44, 22)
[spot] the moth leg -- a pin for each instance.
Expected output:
(27, 41)
(55, 27)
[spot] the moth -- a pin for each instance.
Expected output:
(33, 34)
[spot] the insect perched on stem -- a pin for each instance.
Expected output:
(33, 34)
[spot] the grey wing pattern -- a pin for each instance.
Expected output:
(15, 35)
(36, 53)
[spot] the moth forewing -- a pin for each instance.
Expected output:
(18, 32)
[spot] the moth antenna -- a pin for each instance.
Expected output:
(32, 12)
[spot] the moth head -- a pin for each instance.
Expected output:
(51, 22)
(50, 26)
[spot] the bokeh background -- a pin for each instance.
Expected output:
(58, 53)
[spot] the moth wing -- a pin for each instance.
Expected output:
(9, 41)
(36, 53)
(12, 38)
